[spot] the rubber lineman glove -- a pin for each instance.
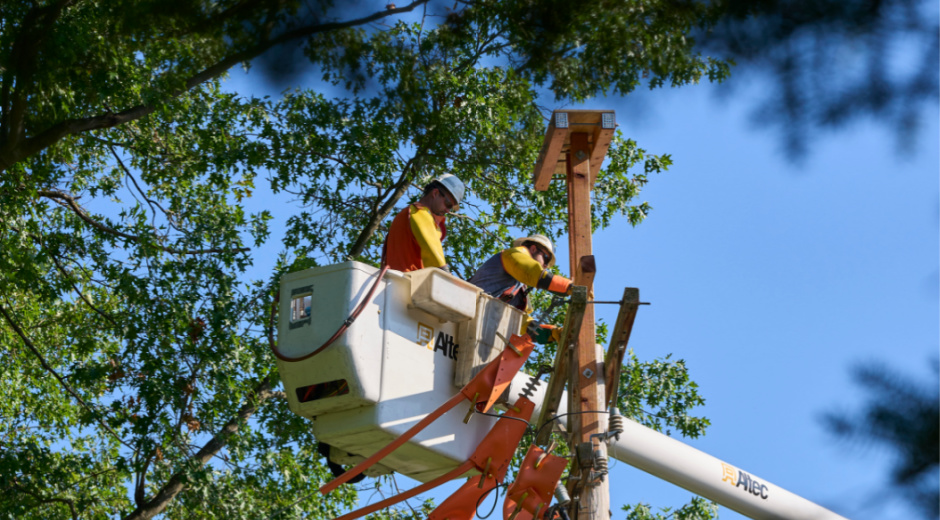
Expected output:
(555, 283)
(543, 333)
(562, 286)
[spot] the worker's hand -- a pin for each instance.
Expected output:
(543, 333)
(556, 333)
(590, 295)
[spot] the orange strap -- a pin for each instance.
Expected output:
(491, 382)
(532, 490)
(392, 446)
(491, 458)
(488, 384)
(495, 451)
(447, 477)
(462, 504)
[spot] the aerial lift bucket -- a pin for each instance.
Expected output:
(391, 366)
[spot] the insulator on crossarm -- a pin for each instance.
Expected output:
(614, 424)
(600, 463)
(529, 390)
(561, 494)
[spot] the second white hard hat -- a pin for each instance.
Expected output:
(541, 240)
(453, 185)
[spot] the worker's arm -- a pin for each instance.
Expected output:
(520, 265)
(428, 236)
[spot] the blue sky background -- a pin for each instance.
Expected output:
(771, 279)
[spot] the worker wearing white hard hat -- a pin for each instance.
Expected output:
(512, 273)
(414, 239)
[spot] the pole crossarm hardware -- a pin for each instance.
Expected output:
(598, 124)
(613, 361)
(566, 347)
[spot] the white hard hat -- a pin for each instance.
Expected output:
(541, 240)
(453, 185)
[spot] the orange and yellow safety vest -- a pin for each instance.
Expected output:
(414, 240)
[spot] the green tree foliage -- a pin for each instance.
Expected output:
(138, 379)
(697, 509)
(903, 418)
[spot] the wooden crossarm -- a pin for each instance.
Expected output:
(566, 348)
(613, 361)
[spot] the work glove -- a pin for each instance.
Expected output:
(556, 284)
(590, 294)
(543, 333)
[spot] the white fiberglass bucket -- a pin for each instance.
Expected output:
(391, 367)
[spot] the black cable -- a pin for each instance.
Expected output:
(495, 501)
(556, 302)
(556, 417)
(504, 416)
(337, 470)
(549, 512)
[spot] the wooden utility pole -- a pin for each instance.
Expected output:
(574, 147)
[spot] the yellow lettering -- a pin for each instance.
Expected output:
(727, 473)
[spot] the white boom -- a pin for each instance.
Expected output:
(704, 475)
(694, 470)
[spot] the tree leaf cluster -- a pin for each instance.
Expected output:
(135, 204)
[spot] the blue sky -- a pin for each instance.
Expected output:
(772, 279)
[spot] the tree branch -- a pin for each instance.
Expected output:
(398, 190)
(80, 294)
(67, 200)
(35, 28)
(29, 344)
(152, 203)
(41, 500)
(11, 153)
(141, 478)
(177, 482)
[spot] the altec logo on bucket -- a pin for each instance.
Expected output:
(738, 478)
(445, 343)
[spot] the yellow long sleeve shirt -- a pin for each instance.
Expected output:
(414, 240)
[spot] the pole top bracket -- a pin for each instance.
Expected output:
(598, 124)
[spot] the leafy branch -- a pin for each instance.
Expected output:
(177, 482)
(17, 147)
(68, 201)
(48, 368)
